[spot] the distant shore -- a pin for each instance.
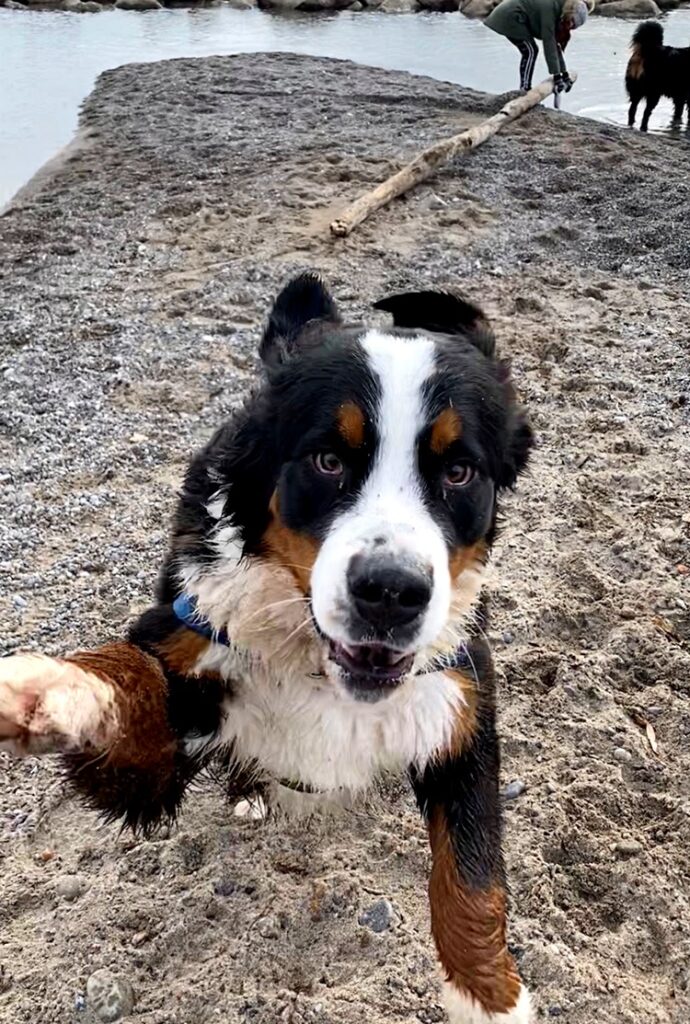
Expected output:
(631, 9)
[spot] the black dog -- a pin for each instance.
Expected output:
(655, 70)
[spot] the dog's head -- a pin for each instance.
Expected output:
(367, 468)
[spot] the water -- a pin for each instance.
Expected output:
(49, 61)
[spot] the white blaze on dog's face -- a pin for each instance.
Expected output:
(367, 470)
(382, 575)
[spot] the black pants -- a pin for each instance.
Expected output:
(528, 49)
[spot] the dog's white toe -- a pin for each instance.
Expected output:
(463, 1009)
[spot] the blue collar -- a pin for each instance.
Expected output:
(185, 608)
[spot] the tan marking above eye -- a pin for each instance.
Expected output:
(351, 423)
(446, 428)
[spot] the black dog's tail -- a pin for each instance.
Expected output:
(648, 36)
(647, 41)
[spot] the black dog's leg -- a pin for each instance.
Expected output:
(635, 94)
(632, 111)
(678, 107)
(652, 101)
(459, 797)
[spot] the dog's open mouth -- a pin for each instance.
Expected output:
(371, 665)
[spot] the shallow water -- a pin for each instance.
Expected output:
(49, 61)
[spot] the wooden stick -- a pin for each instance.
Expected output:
(424, 165)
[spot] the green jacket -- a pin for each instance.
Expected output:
(530, 19)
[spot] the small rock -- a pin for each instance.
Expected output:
(69, 887)
(269, 928)
(110, 996)
(514, 789)
(628, 848)
(379, 917)
(138, 438)
(226, 887)
(684, 570)
(507, 638)
(629, 9)
(19, 602)
(67, 248)
(80, 1002)
(253, 809)
(138, 5)
(46, 856)
(594, 293)
(622, 755)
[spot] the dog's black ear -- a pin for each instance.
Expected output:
(520, 446)
(301, 302)
(442, 312)
(521, 435)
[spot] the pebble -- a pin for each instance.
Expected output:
(514, 789)
(269, 928)
(378, 917)
(622, 755)
(507, 638)
(628, 847)
(69, 887)
(19, 602)
(109, 996)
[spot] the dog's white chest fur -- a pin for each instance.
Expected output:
(307, 730)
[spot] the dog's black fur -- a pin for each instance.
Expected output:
(655, 70)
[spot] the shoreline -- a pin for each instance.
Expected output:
(134, 278)
(480, 8)
(42, 177)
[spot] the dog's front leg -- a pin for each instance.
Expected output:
(459, 797)
(131, 731)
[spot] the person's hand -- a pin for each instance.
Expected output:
(567, 81)
(559, 83)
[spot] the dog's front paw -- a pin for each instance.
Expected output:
(48, 705)
(462, 1008)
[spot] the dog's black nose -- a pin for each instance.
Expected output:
(387, 595)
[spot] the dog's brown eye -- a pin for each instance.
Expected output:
(328, 463)
(459, 475)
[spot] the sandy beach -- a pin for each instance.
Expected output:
(134, 277)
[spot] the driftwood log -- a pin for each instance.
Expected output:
(424, 165)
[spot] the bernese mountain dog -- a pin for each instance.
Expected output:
(319, 616)
(655, 70)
